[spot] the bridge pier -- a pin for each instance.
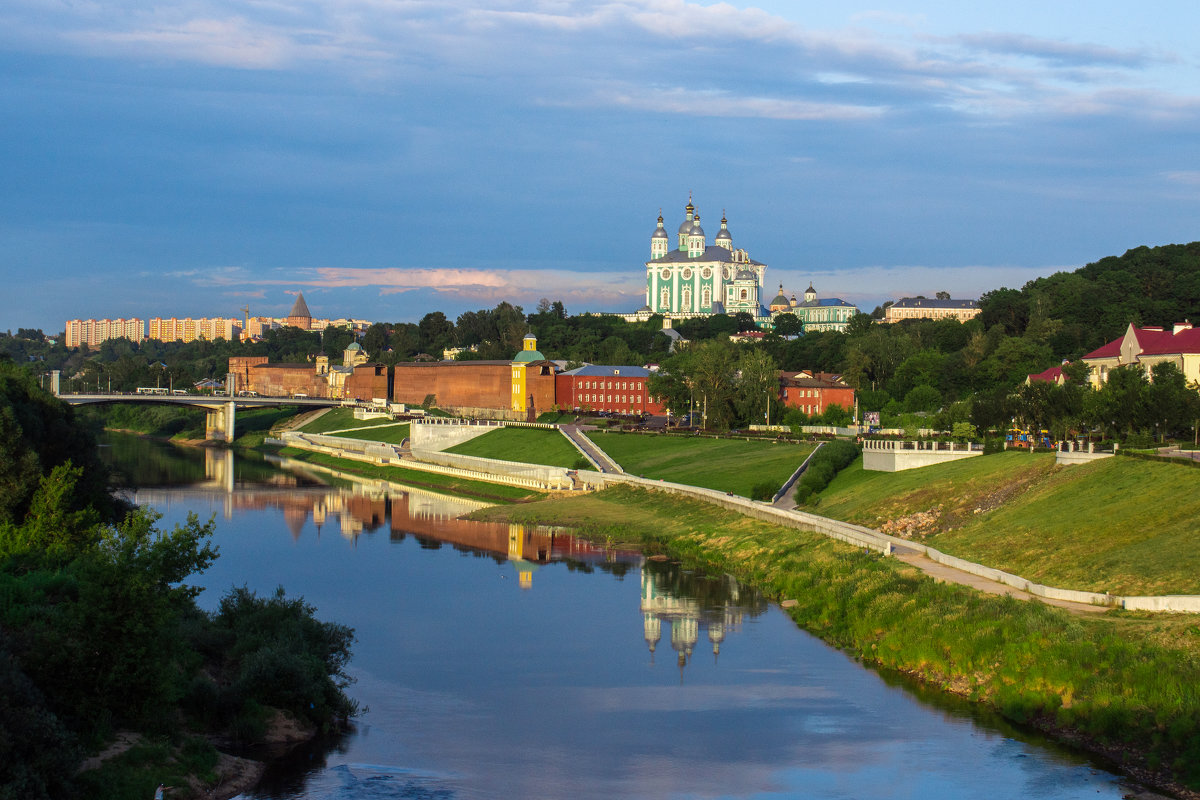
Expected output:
(219, 422)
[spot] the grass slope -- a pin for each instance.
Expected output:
(1127, 685)
(395, 433)
(727, 465)
(337, 419)
(1121, 525)
(433, 481)
(526, 445)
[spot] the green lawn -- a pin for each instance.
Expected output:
(727, 465)
(1121, 525)
(337, 419)
(395, 433)
(526, 445)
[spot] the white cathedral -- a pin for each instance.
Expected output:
(696, 279)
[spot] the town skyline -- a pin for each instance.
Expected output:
(388, 161)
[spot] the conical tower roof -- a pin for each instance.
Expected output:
(300, 308)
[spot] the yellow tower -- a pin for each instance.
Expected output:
(520, 365)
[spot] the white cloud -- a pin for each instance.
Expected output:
(1189, 177)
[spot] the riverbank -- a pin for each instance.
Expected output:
(1122, 685)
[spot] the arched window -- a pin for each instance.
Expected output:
(706, 297)
(665, 301)
(687, 298)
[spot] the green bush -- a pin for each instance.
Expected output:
(764, 491)
(825, 463)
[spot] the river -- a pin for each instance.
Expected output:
(500, 661)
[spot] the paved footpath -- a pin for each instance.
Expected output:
(946, 574)
(575, 434)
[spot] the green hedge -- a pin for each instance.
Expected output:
(826, 462)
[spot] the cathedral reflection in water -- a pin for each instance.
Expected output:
(690, 604)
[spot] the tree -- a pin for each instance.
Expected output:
(922, 398)
(375, 340)
(1170, 404)
(757, 387)
(436, 333)
(1120, 405)
(942, 295)
(859, 324)
(788, 324)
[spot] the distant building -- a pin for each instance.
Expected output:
(189, 330)
(924, 308)
(615, 389)
(1053, 375)
(519, 389)
(356, 377)
(300, 317)
(692, 278)
(814, 392)
(1146, 347)
(816, 314)
(94, 331)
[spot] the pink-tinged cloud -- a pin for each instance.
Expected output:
(597, 290)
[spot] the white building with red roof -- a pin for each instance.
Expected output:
(1146, 347)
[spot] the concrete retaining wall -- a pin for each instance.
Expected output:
(800, 470)
(885, 455)
(1078, 457)
(428, 435)
(534, 475)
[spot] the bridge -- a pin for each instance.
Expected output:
(219, 424)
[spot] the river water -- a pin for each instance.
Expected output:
(501, 661)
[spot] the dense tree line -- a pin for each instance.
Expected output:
(99, 630)
(944, 371)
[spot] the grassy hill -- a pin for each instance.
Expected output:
(1120, 525)
(727, 465)
(526, 445)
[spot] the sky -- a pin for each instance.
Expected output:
(393, 157)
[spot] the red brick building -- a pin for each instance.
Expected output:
(813, 392)
(620, 390)
(475, 388)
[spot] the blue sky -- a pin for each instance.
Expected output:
(392, 157)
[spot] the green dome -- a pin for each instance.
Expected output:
(529, 355)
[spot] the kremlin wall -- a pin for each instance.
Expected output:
(520, 389)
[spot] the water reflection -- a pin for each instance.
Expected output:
(691, 602)
(506, 661)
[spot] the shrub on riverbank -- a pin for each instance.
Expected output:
(1116, 681)
(98, 628)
